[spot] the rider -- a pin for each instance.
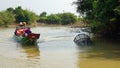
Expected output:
(28, 31)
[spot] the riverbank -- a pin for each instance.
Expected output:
(75, 25)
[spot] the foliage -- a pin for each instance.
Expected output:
(10, 10)
(43, 17)
(14, 16)
(24, 15)
(6, 18)
(68, 18)
(11, 16)
(84, 6)
(43, 14)
(53, 19)
(104, 15)
(63, 18)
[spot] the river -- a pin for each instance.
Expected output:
(56, 49)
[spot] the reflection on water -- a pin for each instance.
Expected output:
(32, 51)
(103, 54)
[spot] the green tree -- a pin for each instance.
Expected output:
(103, 15)
(68, 18)
(43, 14)
(84, 6)
(10, 10)
(43, 17)
(24, 15)
(6, 18)
(19, 14)
(61, 18)
(30, 17)
(53, 19)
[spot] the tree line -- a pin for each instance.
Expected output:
(102, 15)
(14, 16)
(60, 18)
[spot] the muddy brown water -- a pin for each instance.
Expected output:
(56, 49)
